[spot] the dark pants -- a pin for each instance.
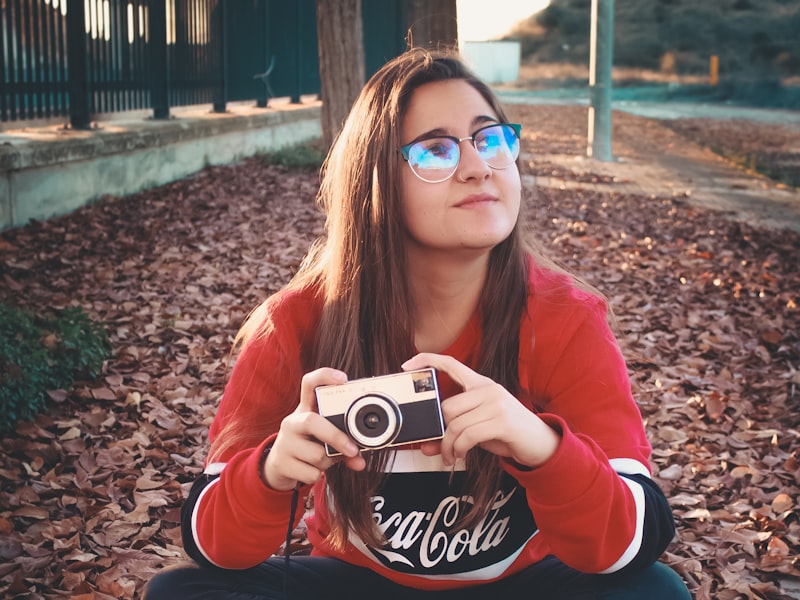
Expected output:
(326, 578)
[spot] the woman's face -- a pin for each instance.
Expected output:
(478, 206)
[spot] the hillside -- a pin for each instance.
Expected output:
(754, 39)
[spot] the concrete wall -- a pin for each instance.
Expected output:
(493, 62)
(48, 171)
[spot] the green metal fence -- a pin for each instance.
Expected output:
(79, 58)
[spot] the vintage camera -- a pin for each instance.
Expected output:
(390, 410)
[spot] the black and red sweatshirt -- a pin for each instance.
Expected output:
(593, 504)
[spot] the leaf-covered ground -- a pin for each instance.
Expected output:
(706, 308)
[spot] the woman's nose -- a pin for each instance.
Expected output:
(470, 164)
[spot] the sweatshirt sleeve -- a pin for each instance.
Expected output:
(231, 518)
(594, 500)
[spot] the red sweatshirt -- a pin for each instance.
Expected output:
(593, 504)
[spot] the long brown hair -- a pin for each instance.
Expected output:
(366, 327)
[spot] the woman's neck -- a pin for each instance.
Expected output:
(445, 292)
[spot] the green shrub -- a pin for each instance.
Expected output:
(43, 353)
(310, 155)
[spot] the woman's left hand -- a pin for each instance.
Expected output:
(485, 414)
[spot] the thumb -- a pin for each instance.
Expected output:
(311, 381)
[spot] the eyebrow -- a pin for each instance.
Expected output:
(476, 123)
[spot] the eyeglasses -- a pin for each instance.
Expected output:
(435, 159)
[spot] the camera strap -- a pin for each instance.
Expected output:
(287, 546)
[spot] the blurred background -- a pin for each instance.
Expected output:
(740, 51)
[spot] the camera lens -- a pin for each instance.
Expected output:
(373, 421)
(370, 419)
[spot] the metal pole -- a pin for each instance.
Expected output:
(600, 87)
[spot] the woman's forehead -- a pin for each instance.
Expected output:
(452, 106)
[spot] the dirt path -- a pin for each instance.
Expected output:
(651, 159)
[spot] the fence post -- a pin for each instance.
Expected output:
(298, 55)
(263, 102)
(80, 98)
(159, 67)
(221, 31)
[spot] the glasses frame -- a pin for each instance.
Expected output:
(405, 150)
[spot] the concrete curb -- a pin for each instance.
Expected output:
(48, 171)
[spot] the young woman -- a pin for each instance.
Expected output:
(539, 486)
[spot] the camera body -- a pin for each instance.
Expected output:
(385, 411)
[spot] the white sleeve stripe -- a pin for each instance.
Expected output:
(636, 543)
(195, 510)
(629, 466)
(214, 468)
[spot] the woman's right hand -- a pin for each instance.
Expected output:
(298, 453)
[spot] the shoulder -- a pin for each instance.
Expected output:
(296, 305)
(287, 318)
(552, 292)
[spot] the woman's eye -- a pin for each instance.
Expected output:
(438, 149)
(485, 142)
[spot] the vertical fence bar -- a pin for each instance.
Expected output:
(298, 55)
(117, 37)
(176, 52)
(141, 48)
(63, 77)
(159, 72)
(91, 26)
(27, 51)
(35, 52)
(103, 56)
(121, 84)
(262, 101)
(106, 42)
(16, 61)
(47, 59)
(91, 40)
(4, 47)
(220, 87)
(77, 64)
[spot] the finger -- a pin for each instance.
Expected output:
(316, 428)
(458, 372)
(342, 443)
(303, 472)
(302, 461)
(469, 437)
(468, 425)
(462, 403)
(356, 463)
(431, 448)
(314, 379)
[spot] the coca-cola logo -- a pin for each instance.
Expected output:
(421, 527)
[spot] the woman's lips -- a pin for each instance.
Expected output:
(476, 199)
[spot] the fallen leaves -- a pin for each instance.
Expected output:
(706, 312)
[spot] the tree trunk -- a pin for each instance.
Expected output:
(433, 23)
(340, 41)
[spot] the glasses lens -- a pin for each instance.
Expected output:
(498, 145)
(434, 160)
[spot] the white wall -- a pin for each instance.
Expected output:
(493, 62)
